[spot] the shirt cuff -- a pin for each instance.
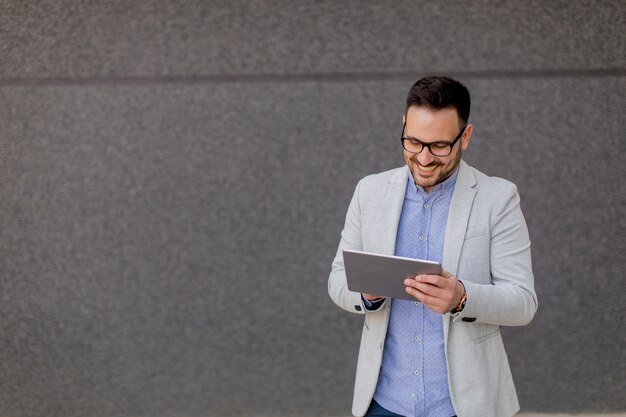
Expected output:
(372, 305)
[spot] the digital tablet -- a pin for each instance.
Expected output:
(384, 275)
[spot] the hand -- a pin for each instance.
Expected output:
(371, 297)
(440, 293)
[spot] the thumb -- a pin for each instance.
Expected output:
(446, 274)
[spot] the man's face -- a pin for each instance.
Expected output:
(430, 126)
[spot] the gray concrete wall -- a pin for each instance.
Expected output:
(174, 177)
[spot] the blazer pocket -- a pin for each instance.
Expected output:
(474, 233)
(487, 336)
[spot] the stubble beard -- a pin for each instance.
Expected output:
(436, 163)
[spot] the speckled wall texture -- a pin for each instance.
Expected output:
(174, 176)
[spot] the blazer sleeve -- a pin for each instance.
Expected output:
(509, 297)
(351, 238)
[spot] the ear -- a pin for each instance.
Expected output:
(465, 140)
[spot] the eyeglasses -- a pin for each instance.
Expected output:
(414, 145)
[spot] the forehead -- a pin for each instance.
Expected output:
(425, 123)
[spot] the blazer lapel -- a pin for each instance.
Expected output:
(458, 218)
(390, 211)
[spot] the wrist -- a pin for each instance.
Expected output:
(461, 304)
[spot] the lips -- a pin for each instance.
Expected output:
(428, 168)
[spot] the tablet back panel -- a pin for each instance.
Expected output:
(382, 274)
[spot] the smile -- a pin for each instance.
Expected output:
(428, 168)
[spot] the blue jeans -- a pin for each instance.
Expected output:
(377, 410)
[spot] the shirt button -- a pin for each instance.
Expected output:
(425, 205)
(417, 372)
(417, 303)
(421, 237)
(417, 338)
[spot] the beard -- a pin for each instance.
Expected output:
(436, 172)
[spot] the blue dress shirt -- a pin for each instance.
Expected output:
(413, 378)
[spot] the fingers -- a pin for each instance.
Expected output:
(371, 297)
(436, 281)
(430, 285)
(434, 303)
(435, 291)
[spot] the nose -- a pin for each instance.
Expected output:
(424, 157)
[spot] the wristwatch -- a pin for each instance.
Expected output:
(459, 307)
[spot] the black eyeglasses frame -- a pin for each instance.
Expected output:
(428, 145)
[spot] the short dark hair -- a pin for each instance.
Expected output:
(438, 93)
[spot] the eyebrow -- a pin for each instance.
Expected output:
(440, 141)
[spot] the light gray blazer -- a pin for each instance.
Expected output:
(487, 247)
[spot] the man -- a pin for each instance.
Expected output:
(442, 354)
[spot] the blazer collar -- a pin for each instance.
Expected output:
(391, 209)
(458, 217)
